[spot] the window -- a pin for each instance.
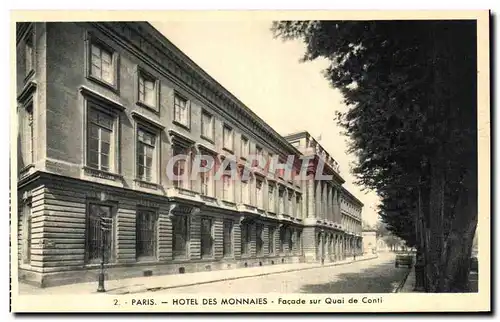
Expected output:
(260, 154)
(245, 238)
(259, 230)
(259, 190)
(227, 237)
(299, 241)
(227, 188)
(207, 126)
(271, 236)
(103, 64)
(207, 182)
(290, 204)
(26, 135)
(181, 168)
(26, 233)
(95, 235)
(271, 201)
(145, 234)
(29, 53)
(245, 147)
(180, 236)
(245, 192)
(271, 163)
(228, 138)
(100, 142)
(181, 111)
(282, 239)
(207, 241)
(290, 239)
(282, 201)
(148, 90)
(146, 157)
(298, 205)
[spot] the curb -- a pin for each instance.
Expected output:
(403, 282)
(160, 288)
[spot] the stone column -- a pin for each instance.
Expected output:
(330, 204)
(318, 200)
(311, 198)
(326, 204)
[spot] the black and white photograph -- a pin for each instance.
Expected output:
(264, 162)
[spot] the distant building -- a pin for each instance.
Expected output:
(370, 244)
(102, 108)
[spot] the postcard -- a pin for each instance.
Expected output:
(250, 161)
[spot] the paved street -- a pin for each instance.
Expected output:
(372, 276)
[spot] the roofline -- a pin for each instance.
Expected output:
(352, 197)
(203, 73)
(297, 135)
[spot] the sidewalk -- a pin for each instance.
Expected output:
(408, 283)
(156, 283)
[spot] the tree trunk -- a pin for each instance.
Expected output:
(460, 240)
(433, 268)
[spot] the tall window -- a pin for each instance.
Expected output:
(282, 201)
(95, 235)
(260, 154)
(145, 234)
(271, 202)
(298, 205)
(259, 230)
(228, 138)
(290, 239)
(245, 192)
(146, 165)
(101, 61)
(245, 147)
(180, 226)
(29, 53)
(207, 125)
(227, 188)
(26, 134)
(282, 239)
(181, 111)
(271, 163)
(245, 238)
(299, 241)
(26, 233)
(290, 204)
(207, 183)
(181, 168)
(148, 90)
(100, 143)
(227, 237)
(207, 241)
(271, 236)
(259, 191)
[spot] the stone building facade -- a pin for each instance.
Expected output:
(332, 228)
(102, 108)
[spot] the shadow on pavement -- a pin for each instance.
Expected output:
(381, 278)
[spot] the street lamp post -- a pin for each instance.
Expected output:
(105, 225)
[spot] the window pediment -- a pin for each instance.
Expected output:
(101, 99)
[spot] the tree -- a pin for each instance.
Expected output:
(381, 230)
(366, 225)
(410, 87)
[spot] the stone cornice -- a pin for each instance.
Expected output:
(147, 43)
(351, 197)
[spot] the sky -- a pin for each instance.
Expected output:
(266, 75)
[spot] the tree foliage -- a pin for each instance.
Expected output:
(410, 87)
